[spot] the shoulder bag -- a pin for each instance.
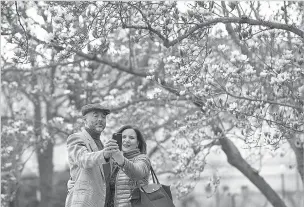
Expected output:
(152, 195)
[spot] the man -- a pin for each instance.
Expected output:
(86, 156)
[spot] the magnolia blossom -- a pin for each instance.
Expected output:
(233, 106)
(67, 91)
(150, 77)
(263, 74)
(69, 127)
(222, 48)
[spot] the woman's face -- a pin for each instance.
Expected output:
(129, 140)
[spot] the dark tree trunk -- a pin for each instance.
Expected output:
(45, 163)
(236, 160)
(45, 159)
(299, 152)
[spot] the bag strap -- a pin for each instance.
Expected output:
(154, 177)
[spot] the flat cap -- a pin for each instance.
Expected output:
(92, 107)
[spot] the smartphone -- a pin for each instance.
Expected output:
(118, 138)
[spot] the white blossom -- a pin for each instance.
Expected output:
(222, 48)
(182, 93)
(233, 106)
(69, 127)
(150, 77)
(58, 120)
(243, 58)
(30, 128)
(9, 149)
(90, 85)
(263, 74)
(67, 91)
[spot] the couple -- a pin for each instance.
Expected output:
(104, 176)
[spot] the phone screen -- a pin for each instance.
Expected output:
(118, 138)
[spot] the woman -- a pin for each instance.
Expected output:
(130, 168)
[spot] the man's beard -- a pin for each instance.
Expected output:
(98, 128)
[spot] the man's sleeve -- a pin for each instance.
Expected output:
(80, 155)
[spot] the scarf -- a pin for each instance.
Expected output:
(96, 137)
(131, 153)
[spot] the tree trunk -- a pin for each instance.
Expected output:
(236, 160)
(299, 152)
(45, 163)
(45, 160)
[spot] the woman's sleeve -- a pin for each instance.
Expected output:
(138, 169)
(79, 154)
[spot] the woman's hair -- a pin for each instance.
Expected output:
(142, 143)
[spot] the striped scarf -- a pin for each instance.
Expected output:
(131, 153)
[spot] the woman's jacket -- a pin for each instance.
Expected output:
(133, 173)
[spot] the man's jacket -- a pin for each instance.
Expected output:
(86, 186)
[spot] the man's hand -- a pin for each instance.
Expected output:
(110, 146)
(117, 155)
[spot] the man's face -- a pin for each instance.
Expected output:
(96, 121)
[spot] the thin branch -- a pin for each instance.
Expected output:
(19, 20)
(236, 40)
(109, 63)
(26, 160)
(142, 100)
(224, 20)
(271, 121)
(264, 101)
(10, 69)
(256, 14)
(5, 33)
(140, 11)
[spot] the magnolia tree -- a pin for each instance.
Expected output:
(203, 76)
(43, 92)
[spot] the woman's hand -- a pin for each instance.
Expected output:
(110, 146)
(117, 155)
